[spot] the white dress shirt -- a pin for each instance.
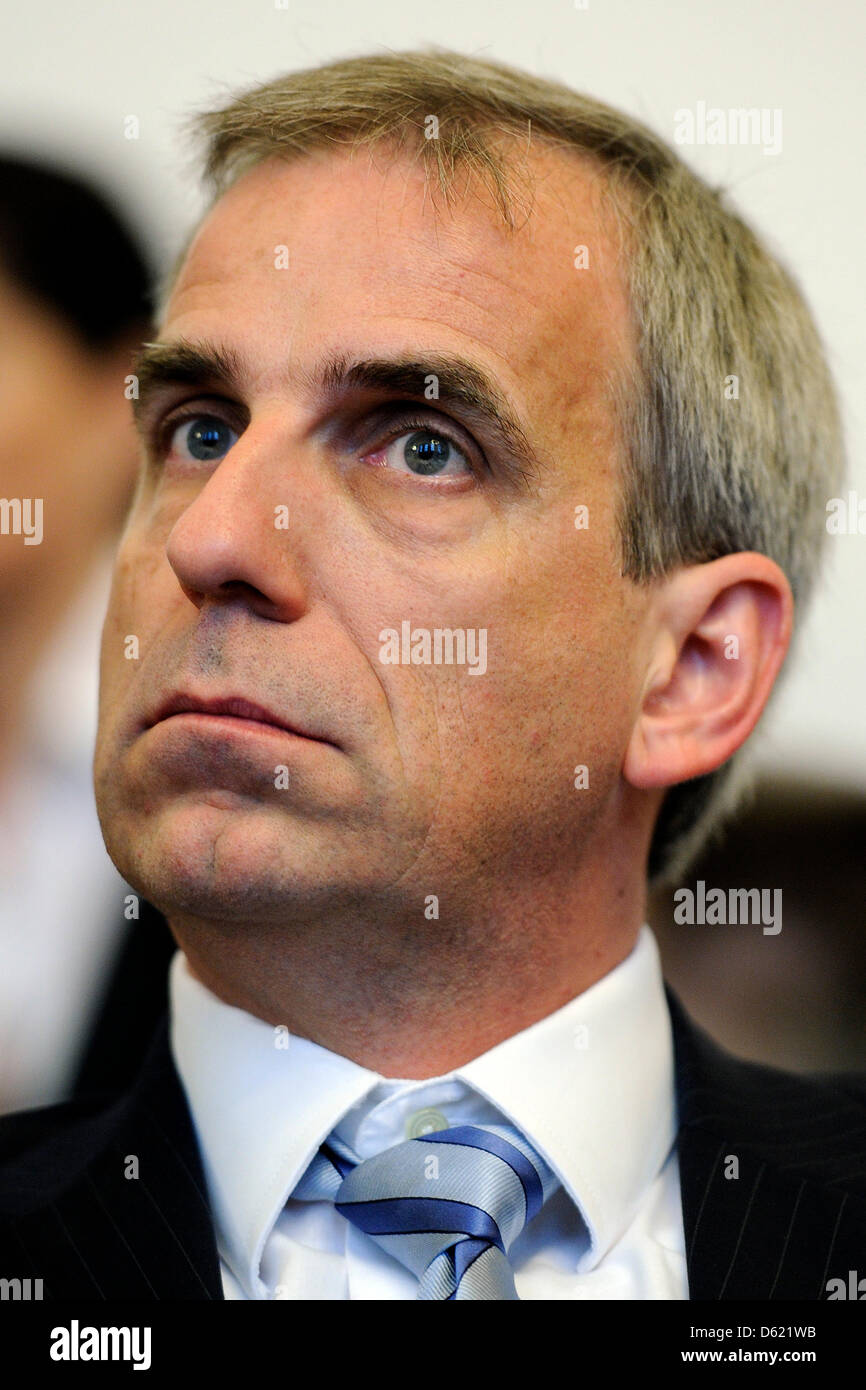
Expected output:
(591, 1086)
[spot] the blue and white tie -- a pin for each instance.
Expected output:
(448, 1205)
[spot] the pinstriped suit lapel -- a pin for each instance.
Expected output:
(772, 1173)
(134, 1221)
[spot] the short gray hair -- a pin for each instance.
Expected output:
(709, 469)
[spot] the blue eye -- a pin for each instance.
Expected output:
(427, 453)
(203, 438)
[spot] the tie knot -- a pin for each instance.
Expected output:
(448, 1205)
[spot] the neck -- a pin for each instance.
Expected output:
(417, 1001)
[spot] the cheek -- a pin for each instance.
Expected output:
(116, 670)
(557, 693)
(133, 613)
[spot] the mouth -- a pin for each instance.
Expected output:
(236, 710)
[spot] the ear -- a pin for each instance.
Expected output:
(720, 634)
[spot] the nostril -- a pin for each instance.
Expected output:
(239, 588)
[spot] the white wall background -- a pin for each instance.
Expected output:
(73, 70)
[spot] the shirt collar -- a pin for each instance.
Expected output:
(262, 1101)
(591, 1086)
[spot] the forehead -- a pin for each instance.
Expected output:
(354, 251)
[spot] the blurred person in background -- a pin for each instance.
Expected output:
(74, 306)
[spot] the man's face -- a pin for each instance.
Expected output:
(287, 520)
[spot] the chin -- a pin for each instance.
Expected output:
(226, 864)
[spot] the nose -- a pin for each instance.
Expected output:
(229, 541)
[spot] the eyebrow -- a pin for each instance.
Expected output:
(462, 385)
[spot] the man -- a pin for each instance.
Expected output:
(453, 553)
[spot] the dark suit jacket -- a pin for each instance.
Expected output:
(793, 1218)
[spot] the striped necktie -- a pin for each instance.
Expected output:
(448, 1205)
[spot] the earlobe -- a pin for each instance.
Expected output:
(723, 629)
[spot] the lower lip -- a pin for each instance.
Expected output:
(223, 724)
